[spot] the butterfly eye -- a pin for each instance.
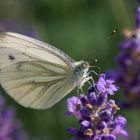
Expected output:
(85, 64)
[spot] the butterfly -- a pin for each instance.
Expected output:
(36, 74)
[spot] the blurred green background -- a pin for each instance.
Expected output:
(82, 29)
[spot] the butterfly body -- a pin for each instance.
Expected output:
(80, 71)
(36, 74)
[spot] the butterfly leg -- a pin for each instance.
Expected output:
(88, 78)
(92, 71)
(89, 83)
(80, 90)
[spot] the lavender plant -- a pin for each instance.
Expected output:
(95, 113)
(127, 73)
(10, 127)
(11, 26)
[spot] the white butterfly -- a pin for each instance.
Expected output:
(36, 74)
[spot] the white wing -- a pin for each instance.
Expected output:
(27, 48)
(35, 74)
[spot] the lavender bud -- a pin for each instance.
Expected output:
(105, 114)
(73, 131)
(92, 98)
(83, 99)
(85, 124)
(109, 137)
(85, 112)
(101, 125)
(101, 99)
(91, 89)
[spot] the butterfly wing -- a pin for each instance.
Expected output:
(20, 47)
(33, 73)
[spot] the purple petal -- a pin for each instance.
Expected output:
(72, 104)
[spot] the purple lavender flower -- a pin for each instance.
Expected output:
(10, 128)
(73, 104)
(96, 113)
(106, 86)
(138, 18)
(128, 65)
(8, 25)
(119, 124)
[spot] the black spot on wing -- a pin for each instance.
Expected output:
(11, 57)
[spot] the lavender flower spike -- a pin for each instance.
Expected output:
(96, 113)
(127, 73)
(138, 18)
(10, 128)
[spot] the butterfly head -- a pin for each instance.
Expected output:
(83, 65)
(80, 74)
